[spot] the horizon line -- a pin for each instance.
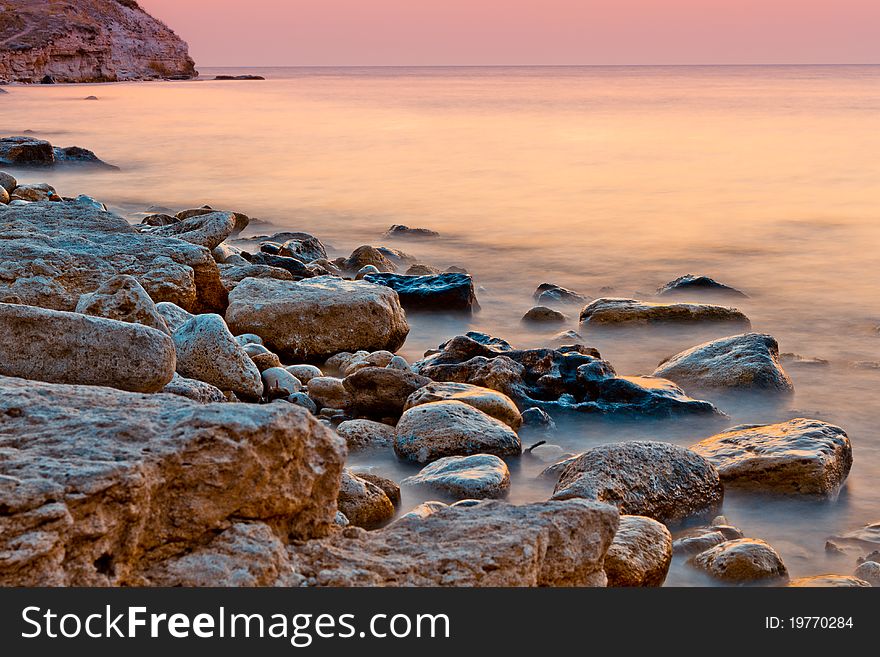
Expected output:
(691, 65)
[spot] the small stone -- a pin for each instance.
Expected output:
(491, 402)
(248, 338)
(366, 271)
(304, 373)
(693, 284)
(302, 399)
(422, 511)
(640, 553)
(199, 391)
(328, 391)
(208, 230)
(363, 503)
(465, 477)
(366, 434)
(262, 357)
(380, 391)
(742, 560)
(388, 486)
(279, 383)
(8, 182)
(552, 293)
(543, 314)
(398, 363)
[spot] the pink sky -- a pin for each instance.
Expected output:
(437, 32)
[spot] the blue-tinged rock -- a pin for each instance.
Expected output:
(443, 292)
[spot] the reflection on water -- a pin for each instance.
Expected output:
(609, 181)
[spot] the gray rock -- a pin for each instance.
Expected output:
(658, 480)
(868, 571)
(198, 391)
(328, 392)
(62, 347)
(124, 299)
(691, 284)
(610, 312)
(700, 539)
(799, 456)
(302, 399)
(464, 477)
(173, 315)
(262, 357)
(366, 434)
(304, 373)
(555, 294)
(380, 392)
(278, 383)
(640, 554)
(491, 402)
(742, 560)
(207, 351)
(208, 230)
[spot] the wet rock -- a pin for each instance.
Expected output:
(198, 391)
(868, 571)
(658, 480)
(279, 383)
(78, 155)
(700, 539)
(304, 373)
(208, 352)
(328, 392)
(316, 318)
(554, 471)
(207, 230)
(543, 314)
(536, 420)
(173, 315)
(381, 392)
(399, 231)
(742, 560)
(262, 357)
(610, 312)
(159, 219)
(291, 265)
(363, 503)
(366, 270)
(124, 299)
(748, 362)
(829, 582)
(51, 254)
(443, 292)
(26, 151)
(62, 347)
(491, 402)
(489, 544)
(4, 196)
(103, 484)
(304, 247)
(451, 428)
(547, 453)
(691, 284)
(799, 456)
(366, 434)
(640, 553)
(479, 476)
(555, 294)
(422, 511)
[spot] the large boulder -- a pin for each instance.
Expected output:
(658, 480)
(381, 392)
(491, 402)
(313, 319)
(124, 299)
(464, 477)
(742, 560)
(51, 254)
(640, 554)
(748, 362)
(208, 352)
(441, 292)
(62, 347)
(799, 456)
(610, 312)
(429, 432)
(97, 484)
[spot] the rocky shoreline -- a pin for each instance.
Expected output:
(179, 402)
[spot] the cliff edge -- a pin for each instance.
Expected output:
(87, 41)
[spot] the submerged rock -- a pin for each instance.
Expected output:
(866, 538)
(700, 539)
(658, 480)
(742, 560)
(465, 477)
(609, 312)
(695, 284)
(748, 362)
(313, 319)
(799, 456)
(544, 315)
(26, 151)
(552, 293)
(363, 503)
(443, 292)
(124, 299)
(62, 347)
(405, 232)
(102, 484)
(640, 553)
(432, 431)
(491, 402)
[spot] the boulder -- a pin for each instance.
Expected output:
(124, 299)
(366, 434)
(432, 431)
(441, 292)
(658, 480)
(208, 352)
(198, 391)
(543, 315)
(34, 193)
(366, 255)
(868, 571)
(173, 315)
(8, 182)
(610, 312)
(388, 486)
(292, 266)
(748, 362)
(799, 456)
(62, 347)
(381, 392)
(491, 402)
(26, 151)
(830, 582)
(313, 319)
(555, 294)
(742, 560)
(363, 503)
(99, 484)
(489, 544)
(640, 553)
(328, 392)
(207, 230)
(692, 284)
(304, 373)
(304, 247)
(51, 254)
(464, 477)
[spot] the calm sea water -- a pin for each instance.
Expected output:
(614, 179)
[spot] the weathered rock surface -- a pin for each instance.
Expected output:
(388, 486)
(699, 539)
(428, 432)
(868, 571)
(174, 315)
(800, 456)
(610, 312)
(62, 347)
(363, 503)
(381, 392)
(742, 560)
(98, 485)
(441, 292)
(292, 266)
(691, 284)
(233, 275)
(198, 391)
(328, 392)
(316, 318)
(640, 553)
(829, 582)
(479, 476)
(491, 402)
(279, 383)
(124, 299)
(96, 41)
(363, 256)
(658, 480)
(367, 434)
(208, 230)
(748, 362)
(52, 253)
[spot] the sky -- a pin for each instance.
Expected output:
(507, 32)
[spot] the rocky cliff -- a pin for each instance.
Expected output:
(87, 41)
